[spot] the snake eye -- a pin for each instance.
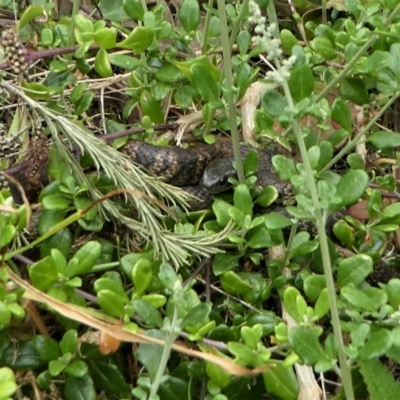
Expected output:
(223, 181)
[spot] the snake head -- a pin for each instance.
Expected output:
(216, 176)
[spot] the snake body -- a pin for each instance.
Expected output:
(176, 165)
(204, 164)
(207, 165)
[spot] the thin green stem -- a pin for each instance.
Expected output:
(360, 134)
(273, 18)
(75, 10)
(323, 241)
(169, 341)
(206, 26)
(238, 24)
(324, 16)
(229, 89)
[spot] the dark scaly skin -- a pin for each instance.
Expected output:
(217, 173)
(175, 165)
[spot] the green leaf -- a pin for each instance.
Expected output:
(323, 46)
(273, 103)
(313, 285)
(55, 202)
(47, 348)
(168, 73)
(275, 220)
(354, 270)
(198, 315)
(102, 64)
(155, 300)
(124, 61)
(288, 40)
(108, 377)
(360, 334)
(168, 276)
(36, 91)
(355, 161)
(147, 312)
(84, 259)
(377, 295)
(43, 274)
(384, 140)
(251, 335)
(56, 367)
(290, 297)
(69, 342)
(29, 14)
(352, 186)
(84, 24)
(139, 40)
(185, 66)
(106, 38)
(281, 381)
(305, 342)
(7, 235)
(5, 313)
(375, 62)
(7, 383)
(142, 275)
(150, 354)
(61, 240)
(379, 342)
(77, 368)
(242, 199)
(314, 153)
(243, 354)
(393, 292)
(151, 107)
(302, 245)
(259, 239)
(301, 82)
(358, 298)
(381, 383)
(173, 388)
(84, 103)
(224, 263)
(189, 15)
(322, 305)
(203, 81)
(243, 41)
(284, 166)
(21, 355)
(354, 89)
(134, 9)
(112, 303)
(234, 284)
(341, 114)
(218, 375)
(391, 212)
(344, 232)
(79, 388)
(221, 211)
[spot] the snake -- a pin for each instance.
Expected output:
(208, 166)
(203, 170)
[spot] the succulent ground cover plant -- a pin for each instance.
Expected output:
(112, 286)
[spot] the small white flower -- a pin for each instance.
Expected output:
(265, 37)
